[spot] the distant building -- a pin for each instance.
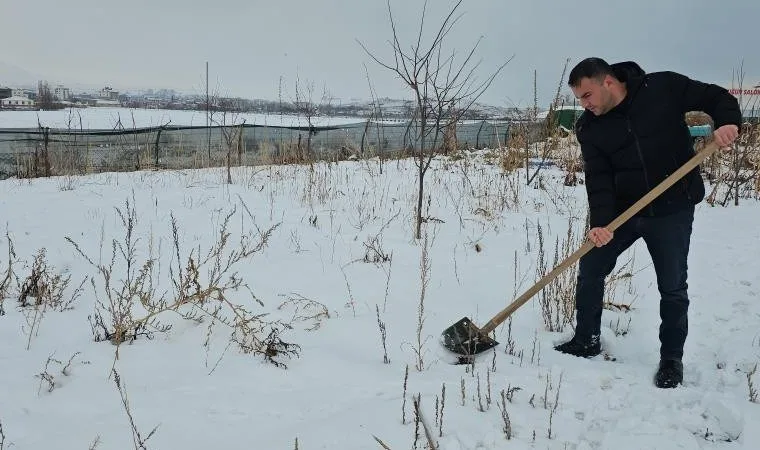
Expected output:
(17, 103)
(108, 93)
(62, 93)
(25, 93)
(5, 92)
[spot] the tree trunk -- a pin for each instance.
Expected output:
(229, 171)
(418, 233)
(240, 144)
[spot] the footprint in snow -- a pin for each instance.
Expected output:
(725, 423)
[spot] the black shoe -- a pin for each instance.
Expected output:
(585, 348)
(669, 374)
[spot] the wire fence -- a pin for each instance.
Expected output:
(50, 151)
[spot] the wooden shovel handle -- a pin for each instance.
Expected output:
(697, 159)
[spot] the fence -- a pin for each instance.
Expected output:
(43, 151)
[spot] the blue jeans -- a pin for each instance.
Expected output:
(667, 238)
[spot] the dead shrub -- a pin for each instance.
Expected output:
(557, 299)
(43, 290)
(7, 274)
(202, 285)
(44, 287)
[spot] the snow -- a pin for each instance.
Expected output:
(108, 118)
(338, 392)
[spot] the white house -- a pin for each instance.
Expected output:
(17, 103)
(108, 93)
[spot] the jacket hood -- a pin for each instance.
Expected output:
(633, 76)
(628, 71)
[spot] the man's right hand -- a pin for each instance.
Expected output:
(600, 236)
(726, 135)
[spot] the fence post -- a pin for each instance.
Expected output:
(366, 126)
(406, 135)
(47, 154)
(477, 136)
(158, 137)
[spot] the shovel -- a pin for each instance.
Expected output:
(466, 339)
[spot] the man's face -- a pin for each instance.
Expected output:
(594, 94)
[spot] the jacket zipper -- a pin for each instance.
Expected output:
(641, 159)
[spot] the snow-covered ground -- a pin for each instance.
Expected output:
(340, 260)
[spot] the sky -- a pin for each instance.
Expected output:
(255, 47)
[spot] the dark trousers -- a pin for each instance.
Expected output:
(667, 239)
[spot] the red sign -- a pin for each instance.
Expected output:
(746, 91)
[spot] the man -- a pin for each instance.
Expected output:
(633, 135)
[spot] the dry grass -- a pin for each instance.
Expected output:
(557, 299)
(424, 281)
(735, 174)
(202, 287)
(7, 276)
(42, 290)
(48, 379)
(138, 441)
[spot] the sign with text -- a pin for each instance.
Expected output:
(750, 91)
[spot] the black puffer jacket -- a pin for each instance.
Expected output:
(637, 144)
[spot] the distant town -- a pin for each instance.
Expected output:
(47, 97)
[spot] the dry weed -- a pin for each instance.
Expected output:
(138, 440)
(557, 299)
(45, 288)
(202, 283)
(7, 274)
(306, 310)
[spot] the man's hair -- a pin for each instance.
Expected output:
(589, 68)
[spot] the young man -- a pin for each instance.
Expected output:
(633, 135)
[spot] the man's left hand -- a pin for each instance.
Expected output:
(726, 135)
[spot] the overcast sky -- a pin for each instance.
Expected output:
(251, 44)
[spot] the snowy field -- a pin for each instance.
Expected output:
(278, 343)
(108, 118)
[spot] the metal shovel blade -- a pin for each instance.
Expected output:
(464, 338)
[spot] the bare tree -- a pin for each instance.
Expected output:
(306, 106)
(742, 168)
(45, 98)
(444, 88)
(377, 115)
(737, 170)
(232, 135)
